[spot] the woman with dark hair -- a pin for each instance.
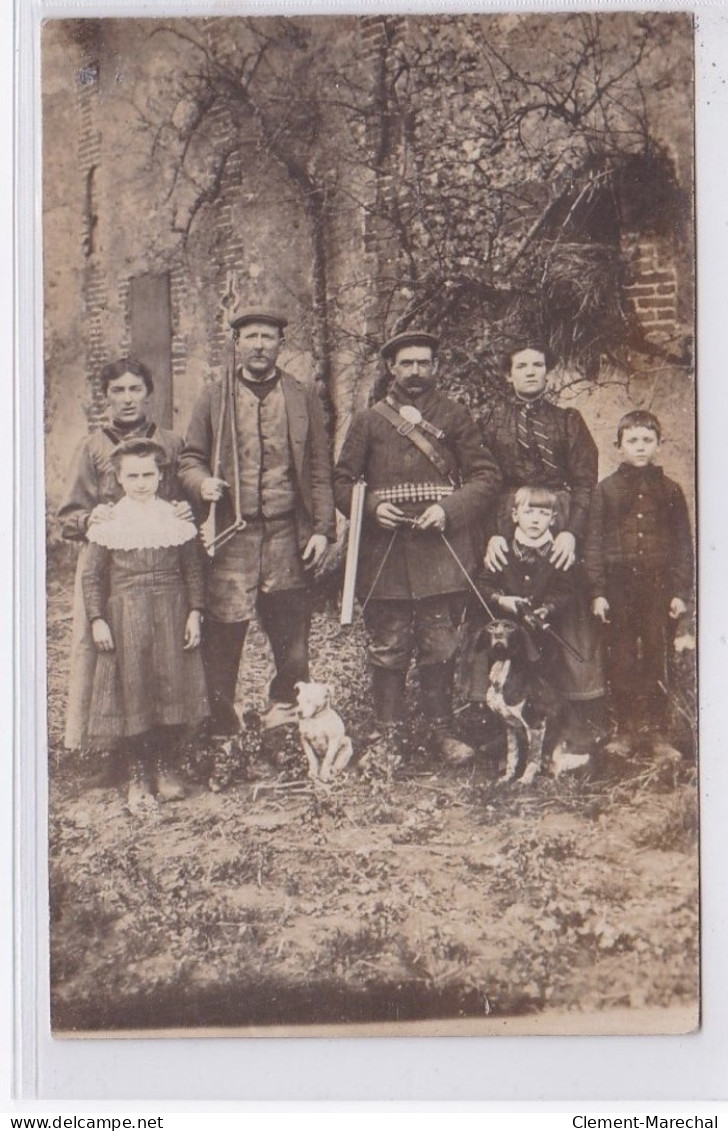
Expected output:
(92, 489)
(538, 443)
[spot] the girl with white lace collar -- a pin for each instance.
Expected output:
(143, 592)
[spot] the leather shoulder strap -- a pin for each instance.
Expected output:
(410, 432)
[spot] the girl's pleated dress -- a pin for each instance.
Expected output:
(143, 575)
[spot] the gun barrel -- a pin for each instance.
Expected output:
(356, 517)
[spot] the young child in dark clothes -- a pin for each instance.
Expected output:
(638, 556)
(529, 588)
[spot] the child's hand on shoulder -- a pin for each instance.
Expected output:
(193, 630)
(102, 637)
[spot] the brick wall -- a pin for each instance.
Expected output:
(89, 170)
(254, 240)
(652, 289)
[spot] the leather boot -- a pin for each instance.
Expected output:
(388, 691)
(436, 684)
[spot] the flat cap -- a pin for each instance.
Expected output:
(258, 314)
(409, 338)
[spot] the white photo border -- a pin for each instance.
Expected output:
(520, 1070)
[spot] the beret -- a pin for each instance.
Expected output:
(409, 338)
(258, 314)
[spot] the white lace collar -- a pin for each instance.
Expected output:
(142, 526)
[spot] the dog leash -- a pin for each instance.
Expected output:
(559, 640)
(467, 577)
(542, 628)
(382, 564)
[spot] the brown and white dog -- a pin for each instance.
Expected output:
(519, 694)
(323, 735)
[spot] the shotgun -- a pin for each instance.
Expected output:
(356, 517)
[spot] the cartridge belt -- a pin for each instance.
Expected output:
(415, 493)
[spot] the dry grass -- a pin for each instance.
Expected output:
(419, 894)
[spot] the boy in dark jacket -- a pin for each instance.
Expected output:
(530, 585)
(529, 588)
(638, 556)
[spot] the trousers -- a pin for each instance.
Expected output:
(285, 617)
(637, 644)
(425, 628)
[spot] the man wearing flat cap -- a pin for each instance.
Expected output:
(257, 449)
(428, 474)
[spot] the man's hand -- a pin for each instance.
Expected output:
(678, 608)
(563, 551)
(193, 630)
(512, 604)
(432, 519)
(100, 513)
(685, 642)
(496, 554)
(315, 551)
(102, 637)
(211, 489)
(183, 510)
(388, 516)
(600, 609)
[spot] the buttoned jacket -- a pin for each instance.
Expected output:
(529, 573)
(310, 454)
(418, 563)
(639, 519)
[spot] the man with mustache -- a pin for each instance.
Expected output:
(428, 474)
(274, 476)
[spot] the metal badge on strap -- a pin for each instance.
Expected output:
(413, 430)
(413, 418)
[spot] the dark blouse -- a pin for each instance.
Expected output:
(573, 449)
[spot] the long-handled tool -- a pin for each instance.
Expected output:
(352, 552)
(210, 540)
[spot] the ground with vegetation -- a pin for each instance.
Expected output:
(415, 893)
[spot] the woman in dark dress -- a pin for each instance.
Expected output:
(538, 443)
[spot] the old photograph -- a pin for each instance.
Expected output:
(370, 513)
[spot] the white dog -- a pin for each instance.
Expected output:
(323, 735)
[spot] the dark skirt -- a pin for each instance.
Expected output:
(148, 680)
(82, 667)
